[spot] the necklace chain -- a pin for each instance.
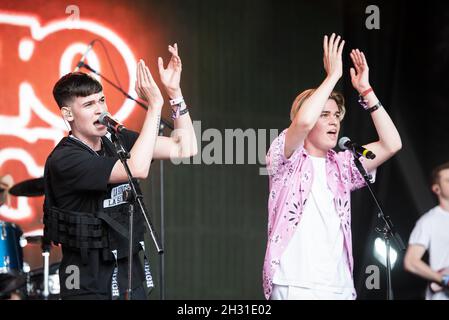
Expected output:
(101, 144)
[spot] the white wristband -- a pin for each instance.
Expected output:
(176, 101)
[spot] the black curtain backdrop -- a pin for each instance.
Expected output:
(243, 64)
(409, 61)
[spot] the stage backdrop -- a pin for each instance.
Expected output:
(39, 42)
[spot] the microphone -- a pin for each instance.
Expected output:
(346, 144)
(83, 57)
(112, 124)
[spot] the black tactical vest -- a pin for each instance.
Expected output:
(107, 229)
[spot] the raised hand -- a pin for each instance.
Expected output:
(332, 59)
(171, 76)
(147, 88)
(359, 75)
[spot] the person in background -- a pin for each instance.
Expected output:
(431, 234)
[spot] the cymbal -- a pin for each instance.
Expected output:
(28, 188)
(34, 239)
(11, 282)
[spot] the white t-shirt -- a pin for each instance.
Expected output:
(315, 257)
(432, 232)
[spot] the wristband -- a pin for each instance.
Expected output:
(176, 101)
(364, 93)
(375, 107)
(178, 110)
(363, 102)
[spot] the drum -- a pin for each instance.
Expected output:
(11, 258)
(35, 283)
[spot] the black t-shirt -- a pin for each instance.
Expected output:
(79, 181)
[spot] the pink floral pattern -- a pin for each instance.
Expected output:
(290, 183)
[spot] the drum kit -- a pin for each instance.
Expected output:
(17, 281)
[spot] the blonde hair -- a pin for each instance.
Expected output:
(303, 96)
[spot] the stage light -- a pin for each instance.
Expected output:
(380, 252)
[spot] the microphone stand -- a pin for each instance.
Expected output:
(388, 231)
(164, 123)
(162, 226)
(135, 199)
(46, 258)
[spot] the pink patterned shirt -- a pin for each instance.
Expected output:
(290, 183)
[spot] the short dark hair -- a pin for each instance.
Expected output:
(74, 84)
(435, 176)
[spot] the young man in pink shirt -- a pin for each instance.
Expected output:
(309, 247)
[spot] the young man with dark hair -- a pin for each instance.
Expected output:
(84, 208)
(431, 233)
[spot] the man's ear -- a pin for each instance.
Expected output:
(436, 189)
(67, 113)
